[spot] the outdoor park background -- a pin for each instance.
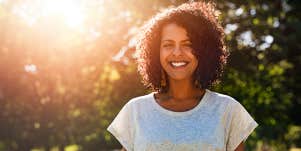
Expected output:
(67, 67)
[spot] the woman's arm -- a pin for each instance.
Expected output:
(240, 147)
(123, 149)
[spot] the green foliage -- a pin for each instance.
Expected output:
(60, 87)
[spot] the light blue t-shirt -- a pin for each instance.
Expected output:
(217, 123)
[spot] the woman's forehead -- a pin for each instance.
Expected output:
(173, 31)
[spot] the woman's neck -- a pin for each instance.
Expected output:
(182, 89)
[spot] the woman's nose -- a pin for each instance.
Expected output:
(177, 51)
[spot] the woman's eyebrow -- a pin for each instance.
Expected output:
(186, 40)
(167, 40)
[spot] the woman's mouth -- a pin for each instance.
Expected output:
(178, 64)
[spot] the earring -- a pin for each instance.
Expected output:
(163, 79)
(197, 84)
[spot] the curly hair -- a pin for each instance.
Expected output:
(206, 35)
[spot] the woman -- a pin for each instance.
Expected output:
(181, 53)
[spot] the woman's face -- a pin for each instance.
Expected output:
(176, 53)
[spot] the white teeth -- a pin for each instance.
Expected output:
(178, 64)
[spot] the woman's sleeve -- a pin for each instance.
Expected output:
(122, 127)
(241, 126)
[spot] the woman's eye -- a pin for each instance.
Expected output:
(167, 45)
(188, 45)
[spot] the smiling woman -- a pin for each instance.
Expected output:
(176, 56)
(181, 53)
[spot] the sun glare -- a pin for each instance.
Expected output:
(69, 10)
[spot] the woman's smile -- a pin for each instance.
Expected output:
(178, 64)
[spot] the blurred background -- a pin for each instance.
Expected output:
(67, 67)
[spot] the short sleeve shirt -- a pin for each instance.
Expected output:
(217, 123)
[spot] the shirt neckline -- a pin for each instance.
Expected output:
(183, 113)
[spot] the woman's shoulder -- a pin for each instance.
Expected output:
(227, 104)
(221, 98)
(142, 100)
